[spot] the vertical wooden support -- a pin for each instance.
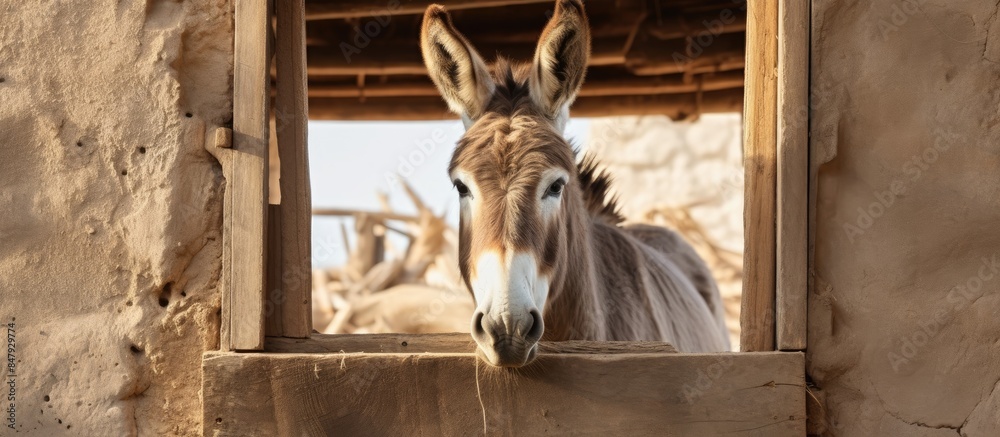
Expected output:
(273, 314)
(760, 162)
(246, 210)
(291, 288)
(793, 173)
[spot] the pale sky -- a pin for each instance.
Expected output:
(349, 162)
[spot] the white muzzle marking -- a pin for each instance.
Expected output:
(509, 294)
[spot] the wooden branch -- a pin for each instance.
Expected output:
(329, 9)
(649, 85)
(291, 123)
(676, 106)
(793, 174)
(760, 161)
(377, 215)
(617, 393)
(367, 250)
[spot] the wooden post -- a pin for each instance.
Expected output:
(246, 208)
(760, 162)
(273, 313)
(290, 302)
(793, 173)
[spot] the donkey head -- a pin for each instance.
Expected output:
(514, 172)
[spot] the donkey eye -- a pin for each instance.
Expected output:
(555, 189)
(463, 191)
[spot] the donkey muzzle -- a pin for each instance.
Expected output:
(508, 340)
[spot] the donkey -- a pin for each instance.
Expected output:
(541, 242)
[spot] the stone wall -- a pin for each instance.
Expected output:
(110, 210)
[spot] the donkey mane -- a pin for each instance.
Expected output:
(511, 96)
(595, 183)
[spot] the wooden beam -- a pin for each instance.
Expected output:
(656, 85)
(760, 162)
(647, 85)
(294, 298)
(650, 56)
(330, 9)
(443, 343)
(647, 56)
(618, 393)
(524, 26)
(341, 9)
(793, 174)
(727, 20)
(393, 57)
(246, 216)
(676, 106)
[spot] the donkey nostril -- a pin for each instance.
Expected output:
(536, 328)
(477, 324)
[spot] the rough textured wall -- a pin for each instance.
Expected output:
(664, 170)
(904, 314)
(110, 210)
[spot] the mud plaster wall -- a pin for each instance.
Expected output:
(904, 312)
(110, 209)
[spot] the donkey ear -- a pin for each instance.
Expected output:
(561, 58)
(454, 65)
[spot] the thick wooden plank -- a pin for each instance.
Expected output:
(676, 106)
(291, 123)
(760, 162)
(741, 394)
(793, 173)
(442, 343)
(247, 221)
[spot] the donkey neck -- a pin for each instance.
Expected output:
(576, 302)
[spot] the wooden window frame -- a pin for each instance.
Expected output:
(776, 172)
(266, 275)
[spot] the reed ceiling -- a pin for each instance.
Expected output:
(674, 57)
